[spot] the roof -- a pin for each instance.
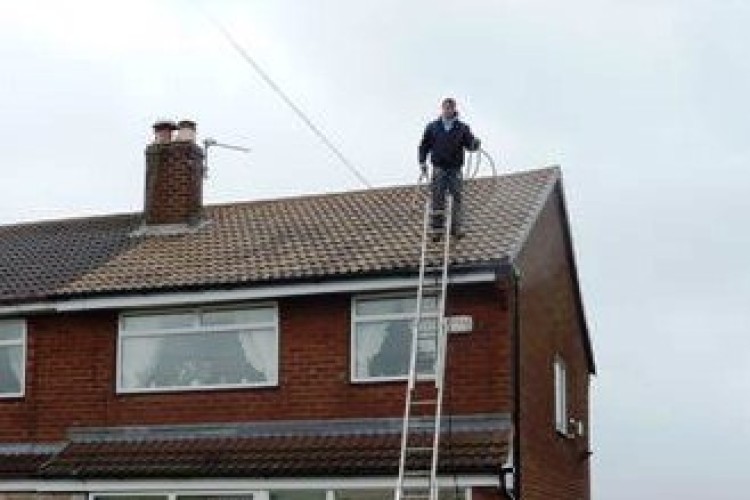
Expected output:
(369, 447)
(351, 234)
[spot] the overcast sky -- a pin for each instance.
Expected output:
(643, 102)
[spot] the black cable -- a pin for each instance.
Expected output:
(287, 100)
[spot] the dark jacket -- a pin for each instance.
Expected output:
(446, 149)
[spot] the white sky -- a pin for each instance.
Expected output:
(643, 103)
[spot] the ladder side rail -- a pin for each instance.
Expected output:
(441, 349)
(411, 383)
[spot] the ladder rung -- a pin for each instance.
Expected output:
(418, 473)
(424, 402)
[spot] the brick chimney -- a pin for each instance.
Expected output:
(174, 175)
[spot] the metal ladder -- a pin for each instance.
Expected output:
(420, 435)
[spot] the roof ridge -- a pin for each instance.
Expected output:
(391, 187)
(280, 199)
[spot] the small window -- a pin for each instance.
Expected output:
(382, 333)
(12, 358)
(207, 348)
(561, 396)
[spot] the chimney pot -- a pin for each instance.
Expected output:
(186, 131)
(163, 131)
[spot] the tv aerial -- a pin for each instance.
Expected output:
(209, 143)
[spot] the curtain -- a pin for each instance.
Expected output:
(139, 361)
(369, 341)
(260, 348)
(11, 365)
(16, 363)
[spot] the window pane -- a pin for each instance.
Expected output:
(11, 330)
(131, 497)
(429, 304)
(11, 369)
(451, 493)
(382, 348)
(364, 494)
(391, 305)
(560, 396)
(239, 316)
(298, 495)
(248, 496)
(194, 360)
(164, 321)
(394, 305)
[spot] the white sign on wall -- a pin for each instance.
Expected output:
(460, 324)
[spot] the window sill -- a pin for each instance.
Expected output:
(12, 396)
(381, 380)
(193, 389)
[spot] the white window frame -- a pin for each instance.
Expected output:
(263, 494)
(174, 495)
(383, 317)
(23, 343)
(197, 311)
(560, 395)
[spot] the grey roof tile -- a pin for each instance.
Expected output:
(311, 237)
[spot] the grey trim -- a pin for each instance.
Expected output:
(287, 428)
(31, 449)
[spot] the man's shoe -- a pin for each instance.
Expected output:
(435, 237)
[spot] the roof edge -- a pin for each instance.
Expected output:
(481, 273)
(536, 212)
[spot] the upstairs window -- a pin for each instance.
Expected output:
(561, 396)
(381, 337)
(12, 358)
(206, 348)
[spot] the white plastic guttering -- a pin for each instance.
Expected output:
(228, 484)
(240, 294)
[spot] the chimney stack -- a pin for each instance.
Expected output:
(174, 175)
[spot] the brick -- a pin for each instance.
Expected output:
(553, 467)
(72, 380)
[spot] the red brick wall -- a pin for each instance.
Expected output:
(71, 373)
(487, 493)
(174, 183)
(553, 467)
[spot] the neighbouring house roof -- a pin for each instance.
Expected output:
(476, 444)
(339, 235)
(21, 465)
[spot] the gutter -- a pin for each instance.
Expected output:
(269, 291)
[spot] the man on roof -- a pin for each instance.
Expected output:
(444, 141)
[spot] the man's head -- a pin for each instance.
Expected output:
(449, 108)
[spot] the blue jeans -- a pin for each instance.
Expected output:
(446, 180)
